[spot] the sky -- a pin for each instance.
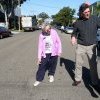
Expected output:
(50, 7)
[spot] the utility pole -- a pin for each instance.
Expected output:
(19, 14)
(13, 14)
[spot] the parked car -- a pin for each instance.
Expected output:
(58, 27)
(98, 35)
(4, 32)
(68, 30)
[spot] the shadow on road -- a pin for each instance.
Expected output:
(88, 84)
(70, 67)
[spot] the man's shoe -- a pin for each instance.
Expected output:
(97, 88)
(36, 83)
(76, 83)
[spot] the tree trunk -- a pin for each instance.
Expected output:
(6, 20)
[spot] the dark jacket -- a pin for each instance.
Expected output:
(85, 30)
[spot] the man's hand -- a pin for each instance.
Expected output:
(73, 40)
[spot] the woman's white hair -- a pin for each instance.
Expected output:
(46, 27)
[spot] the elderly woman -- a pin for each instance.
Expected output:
(49, 49)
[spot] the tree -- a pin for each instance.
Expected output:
(40, 22)
(7, 7)
(64, 16)
(98, 9)
(43, 15)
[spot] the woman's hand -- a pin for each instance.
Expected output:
(39, 61)
(59, 54)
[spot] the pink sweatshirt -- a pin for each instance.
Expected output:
(56, 47)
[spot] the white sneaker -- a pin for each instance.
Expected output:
(37, 83)
(51, 78)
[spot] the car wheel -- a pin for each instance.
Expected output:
(1, 36)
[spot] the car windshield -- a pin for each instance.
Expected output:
(70, 27)
(3, 29)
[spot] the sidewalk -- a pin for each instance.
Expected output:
(16, 31)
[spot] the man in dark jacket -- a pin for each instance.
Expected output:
(84, 35)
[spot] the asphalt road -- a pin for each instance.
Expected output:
(18, 57)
